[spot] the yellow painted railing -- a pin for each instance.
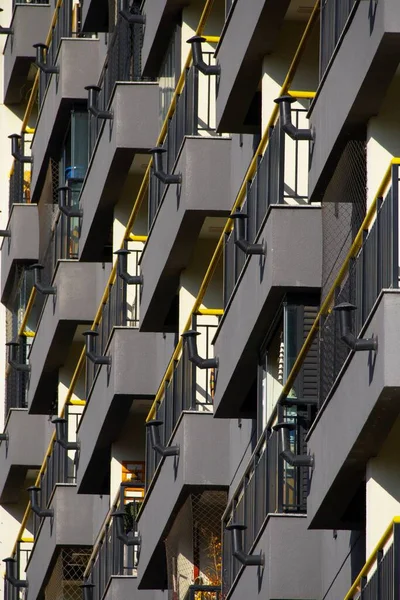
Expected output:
(127, 235)
(365, 571)
(239, 200)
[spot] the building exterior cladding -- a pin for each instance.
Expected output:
(199, 280)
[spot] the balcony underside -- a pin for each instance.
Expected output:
(95, 15)
(354, 422)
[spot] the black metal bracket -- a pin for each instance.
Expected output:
(122, 268)
(159, 172)
(5, 233)
(239, 224)
(203, 363)
(93, 95)
(10, 563)
(6, 30)
(294, 460)
(41, 60)
(61, 434)
(87, 590)
(46, 290)
(13, 359)
(33, 497)
(128, 540)
(247, 560)
(285, 110)
(4, 437)
(347, 336)
(131, 18)
(156, 442)
(96, 359)
(16, 151)
(198, 60)
(64, 195)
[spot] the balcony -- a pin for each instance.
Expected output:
(78, 291)
(182, 422)
(123, 389)
(30, 23)
(269, 504)
(21, 248)
(21, 451)
(78, 60)
(364, 42)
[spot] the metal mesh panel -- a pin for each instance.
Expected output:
(193, 548)
(67, 575)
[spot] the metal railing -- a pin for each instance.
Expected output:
(123, 63)
(29, 2)
(334, 17)
(59, 467)
(67, 229)
(110, 556)
(21, 557)
(379, 579)
(62, 28)
(374, 268)
(17, 382)
(189, 389)
(267, 187)
(194, 115)
(269, 485)
(121, 309)
(204, 592)
(20, 176)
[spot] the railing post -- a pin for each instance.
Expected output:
(364, 282)
(396, 561)
(379, 246)
(395, 228)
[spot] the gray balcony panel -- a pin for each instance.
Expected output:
(161, 18)
(21, 247)
(205, 167)
(293, 238)
(28, 437)
(351, 427)
(133, 129)
(292, 562)
(203, 463)
(249, 35)
(75, 303)
(94, 15)
(79, 63)
(365, 65)
(71, 526)
(30, 24)
(133, 374)
(127, 587)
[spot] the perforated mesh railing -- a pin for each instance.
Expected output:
(67, 574)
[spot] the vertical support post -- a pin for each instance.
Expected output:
(193, 370)
(395, 221)
(396, 561)
(379, 246)
(364, 282)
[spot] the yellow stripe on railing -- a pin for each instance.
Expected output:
(372, 559)
(137, 238)
(327, 303)
(238, 202)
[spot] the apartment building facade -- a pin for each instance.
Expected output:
(199, 281)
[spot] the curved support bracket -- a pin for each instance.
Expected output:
(198, 60)
(10, 563)
(347, 336)
(247, 560)
(62, 435)
(93, 95)
(13, 359)
(294, 460)
(239, 220)
(5, 233)
(122, 269)
(156, 442)
(131, 18)
(128, 540)
(4, 437)
(16, 151)
(159, 172)
(40, 61)
(295, 133)
(64, 196)
(33, 492)
(96, 359)
(202, 363)
(46, 290)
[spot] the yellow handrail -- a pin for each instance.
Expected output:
(326, 305)
(372, 558)
(238, 202)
